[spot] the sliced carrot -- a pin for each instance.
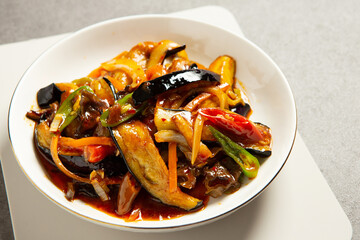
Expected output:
(172, 163)
(59, 164)
(81, 142)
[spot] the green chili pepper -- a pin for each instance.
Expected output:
(248, 163)
(122, 101)
(125, 99)
(66, 111)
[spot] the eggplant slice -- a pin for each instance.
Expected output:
(243, 110)
(150, 89)
(112, 165)
(145, 163)
(262, 148)
(47, 95)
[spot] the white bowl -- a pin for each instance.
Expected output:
(75, 56)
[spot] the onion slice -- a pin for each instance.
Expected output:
(70, 193)
(100, 191)
(100, 187)
(198, 127)
(59, 164)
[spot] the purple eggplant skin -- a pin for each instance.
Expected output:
(193, 66)
(259, 152)
(263, 151)
(174, 51)
(150, 89)
(47, 95)
(243, 110)
(112, 88)
(112, 165)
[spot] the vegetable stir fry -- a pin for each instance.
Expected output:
(149, 134)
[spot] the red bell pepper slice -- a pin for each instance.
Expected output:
(238, 126)
(96, 153)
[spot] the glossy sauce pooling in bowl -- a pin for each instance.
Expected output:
(150, 134)
(145, 207)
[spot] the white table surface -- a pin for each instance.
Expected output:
(38, 45)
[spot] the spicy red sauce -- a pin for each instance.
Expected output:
(145, 206)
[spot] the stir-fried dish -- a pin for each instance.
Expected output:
(150, 134)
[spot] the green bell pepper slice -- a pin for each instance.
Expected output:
(66, 111)
(248, 163)
(122, 101)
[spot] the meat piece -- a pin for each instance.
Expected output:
(218, 180)
(187, 175)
